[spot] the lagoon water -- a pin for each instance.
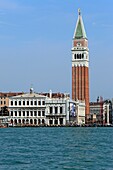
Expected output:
(65, 148)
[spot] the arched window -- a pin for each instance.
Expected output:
(15, 121)
(82, 55)
(11, 103)
(35, 121)
(19, 121)
(56, 121)
(50, 121)
(27, 121)
(11, 121)
(23, 121)
(43, 121)
(31, 121)
(75, 56)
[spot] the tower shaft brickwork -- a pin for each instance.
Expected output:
(80, 64)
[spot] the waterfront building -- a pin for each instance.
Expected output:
(4, 121)
(107, 112)
(64, 111)
(100, 112)
(57, 110)
(27, 109)
(112, 110)
(80, 107)
(33, 109)
(78, 116)
(80, 64)
(96, 112)
(4, 101)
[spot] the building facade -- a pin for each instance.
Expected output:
(96, 113)
(112, 110)
(107, 112)
(4, 101)
(100, 112)
(27, 109)
(80, 64)
(56, 111)
(33, 109)
(77, 112)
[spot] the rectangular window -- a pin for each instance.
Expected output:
(15, 113)
(27, 102)
(56, 110)
(27, 113)
(51, 109)
(43, 102)
(15, 103)
(35, 102)
(39, 113)
(19, 103)
(11, 113)
(31, 113)
(23, 113)
(39, 102)
(1, 102)
(4, 102)
(61, 109)
(24, 103)
(11, 103)
(19, 113)
(31, 102)
(35, 113)
(43, 113)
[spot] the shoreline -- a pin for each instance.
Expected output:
(85, 126)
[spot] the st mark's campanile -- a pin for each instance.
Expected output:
(80, 64)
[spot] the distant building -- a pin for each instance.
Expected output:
(65, 111)
(27, 109)
(33, 109)
(80, 65)
(96, 112)
(112, 110)
(101, 112)
(79, 115)
(107, 112)
(4, 101)
(57, 110)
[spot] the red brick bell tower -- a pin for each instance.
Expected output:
(80, 64)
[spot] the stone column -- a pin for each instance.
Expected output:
(107, 114)
(58, 122)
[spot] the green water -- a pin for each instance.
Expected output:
(56, 148)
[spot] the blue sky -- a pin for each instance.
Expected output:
(36, 40)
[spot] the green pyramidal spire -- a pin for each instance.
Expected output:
(79, 30)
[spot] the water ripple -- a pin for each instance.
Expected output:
(56, 148)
